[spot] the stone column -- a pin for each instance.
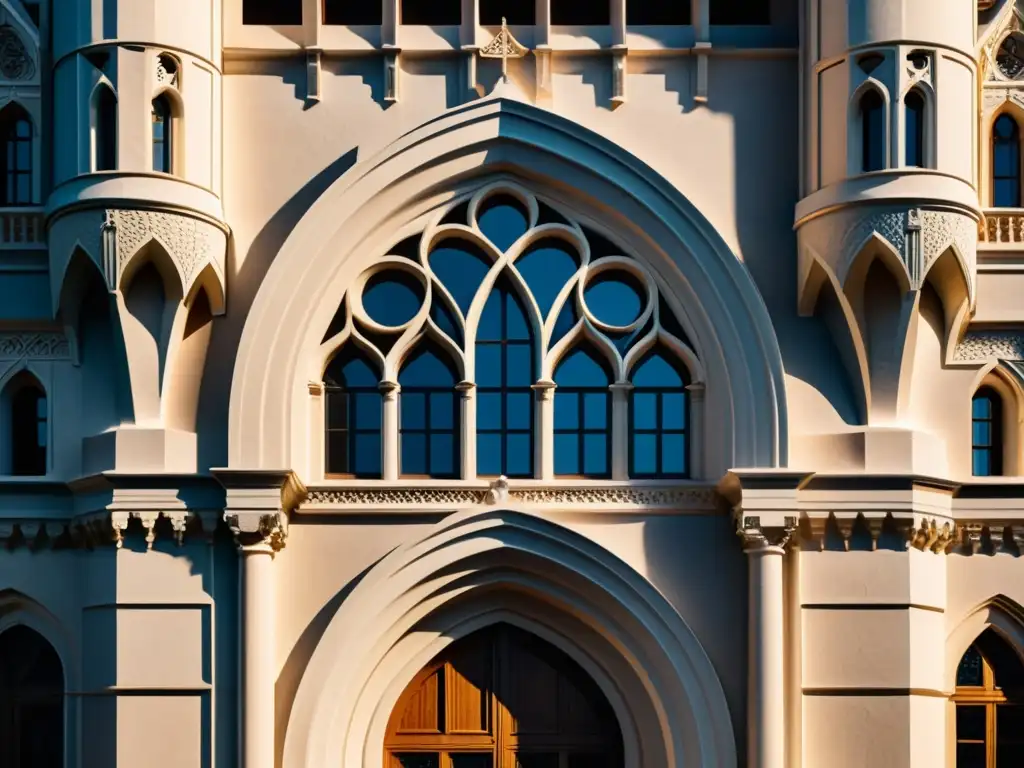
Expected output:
(467, 427)
(620, 430)
(544, 430)
(258, 536)
(390, 429)
(256, 510)
(766, 688)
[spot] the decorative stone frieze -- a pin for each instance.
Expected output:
(188, 241)
(104, 529)
(877, 529)
(981, 346)
(34, 345)
(502, 491)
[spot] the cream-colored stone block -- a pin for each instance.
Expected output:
(910, 577)
(160, 730)
(873, 731)
(163, 647)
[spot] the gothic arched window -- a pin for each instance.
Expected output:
(104, 129)
(1005, 162)
(872, 131)
(25, 402)
(989, 705)
(583, 415)
(914, 129)
(31, 701)
(512, 332)
(16, 129)
(987, 433)
(354, 415)
(659, 413)
(429, 416)
(163, 135)
(505, 374)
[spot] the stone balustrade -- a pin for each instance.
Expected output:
(22, 228)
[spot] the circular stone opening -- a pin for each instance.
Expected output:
(615, 298)
(392, 298)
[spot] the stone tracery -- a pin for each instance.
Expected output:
(503, 288)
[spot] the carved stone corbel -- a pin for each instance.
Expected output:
(929, 535)
(258, 505)
(757, 537)
(257, 530)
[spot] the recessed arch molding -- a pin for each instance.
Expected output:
(474, 569)
(385, 197)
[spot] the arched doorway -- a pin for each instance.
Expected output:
(989, 701)
(31, 701)
(502, 698)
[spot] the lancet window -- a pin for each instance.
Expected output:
(507, 339)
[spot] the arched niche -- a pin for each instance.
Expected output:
(386, 198)
(475, 570)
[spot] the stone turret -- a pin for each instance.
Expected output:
(135, 217)
(888, 221)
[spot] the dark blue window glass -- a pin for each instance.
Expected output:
(546, 267)
(461, 268)
(429, 416)
(503, 220)
(28, 436)
(354, 415)
(163, 139)
(872, 116)
(392, 298)
(1005, 163)
(16, 130)
(505, 373)
(914, 104)
(986, 433)
(614, 298)
(659, 416)
(582, 416)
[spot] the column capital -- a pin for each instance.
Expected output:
(767, 539)
(257, 506)
(465, 388)
(545, 389)
(389, 389)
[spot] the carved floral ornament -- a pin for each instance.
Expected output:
(16, 63)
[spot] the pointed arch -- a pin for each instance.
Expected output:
(103, 127)
(869, 121)
(354, 421)
(583, 412)
(167, 131)
(534, 574)
(429, 413)
(1000, 613)
(601, 184)
(1001, 385)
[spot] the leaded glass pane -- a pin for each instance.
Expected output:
(392, 298)
(970, 722)
(547, 267)
(614, 298)
(970, 670)
(461, 268)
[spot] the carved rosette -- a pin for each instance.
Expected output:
(16, 63)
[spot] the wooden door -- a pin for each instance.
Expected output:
(503, 698)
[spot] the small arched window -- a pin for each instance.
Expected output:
(872, 131)
(104, 129)
(27, 417)
(354, 416)
(987, 433)
(1005, 163)
(505, 374)
(163, 135)
(989, 711)
(583, 415)
(429, 420)
(914, 129)
(16, 131)
(31, 701)
(659, 419)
